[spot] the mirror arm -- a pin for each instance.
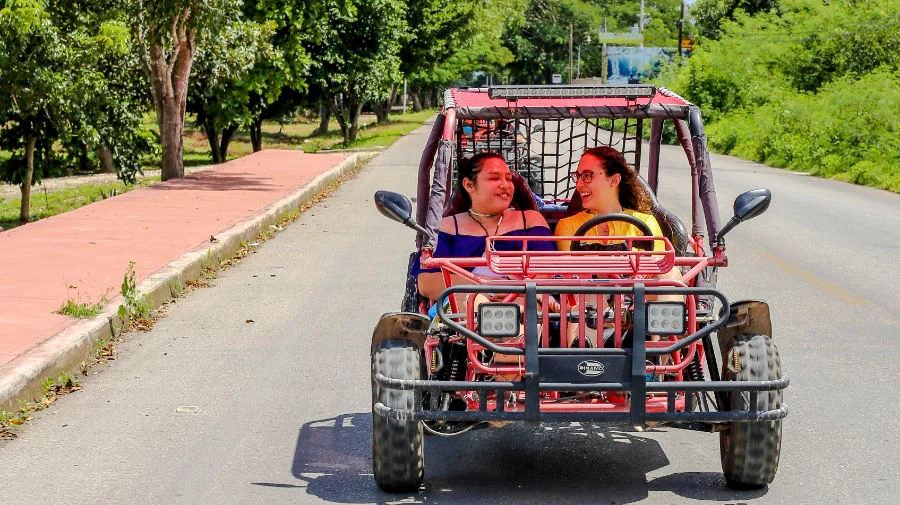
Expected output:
(720, 237)
(410, 222)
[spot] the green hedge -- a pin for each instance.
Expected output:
(848, 130)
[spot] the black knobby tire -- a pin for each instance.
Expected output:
(750, 450)
(398, 456)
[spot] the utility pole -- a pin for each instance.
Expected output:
(570, 54)
(578, 71)
(641, 22)
(603, 62)
(680, 31)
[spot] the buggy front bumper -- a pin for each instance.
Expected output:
(672, 402)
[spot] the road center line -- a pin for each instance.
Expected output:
(811, 278)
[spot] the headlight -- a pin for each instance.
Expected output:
(498, 320)
(666, 318)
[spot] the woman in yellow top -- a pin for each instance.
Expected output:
(607, 185)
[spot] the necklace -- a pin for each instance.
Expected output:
(472, 214)
(480, 214)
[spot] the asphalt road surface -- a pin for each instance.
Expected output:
(209, 408)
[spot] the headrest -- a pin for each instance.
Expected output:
(523, 198)
(574, 205)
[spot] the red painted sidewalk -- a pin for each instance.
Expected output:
(83, 254)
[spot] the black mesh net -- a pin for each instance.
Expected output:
(546, 151)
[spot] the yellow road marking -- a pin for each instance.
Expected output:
(812, 279)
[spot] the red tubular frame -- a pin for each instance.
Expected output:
(572, 265)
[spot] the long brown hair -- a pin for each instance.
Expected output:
(632, 194)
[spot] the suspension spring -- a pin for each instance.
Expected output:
(695, 371)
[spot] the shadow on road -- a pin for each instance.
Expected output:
(577, 463)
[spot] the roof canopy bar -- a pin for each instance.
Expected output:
(629, 92)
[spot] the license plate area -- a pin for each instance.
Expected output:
(585, 369)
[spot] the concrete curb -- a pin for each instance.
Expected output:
(20, 380)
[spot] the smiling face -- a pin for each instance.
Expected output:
(491, 190)
(601, 194)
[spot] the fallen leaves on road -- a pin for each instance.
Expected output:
(249, 321)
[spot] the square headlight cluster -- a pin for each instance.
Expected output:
(498, 320)
(666, 318)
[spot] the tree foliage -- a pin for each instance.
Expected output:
(815, 88)
(62, 81)
(225, 81)
(356, 56)
(169, 32)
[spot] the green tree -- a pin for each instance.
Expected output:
(356, 57)
(437, 29)
(169, 33)
(541, 43)
(55, 87)
(709, 14)
(224, 82)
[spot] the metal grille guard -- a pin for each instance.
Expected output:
(637, 387)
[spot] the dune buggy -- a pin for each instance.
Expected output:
(715, 366)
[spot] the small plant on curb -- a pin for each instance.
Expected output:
(52, 388)
(82, 310)
(176, 288)
(210, 266)
(136, 307)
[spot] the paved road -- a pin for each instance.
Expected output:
(210, 408)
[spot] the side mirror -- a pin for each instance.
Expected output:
(398, 208)
(747, 206)
(393, 206)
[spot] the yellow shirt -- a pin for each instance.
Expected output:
(568, 226)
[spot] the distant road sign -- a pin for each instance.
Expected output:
(631, 38)
(556, 79)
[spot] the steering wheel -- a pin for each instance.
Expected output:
(646, 245)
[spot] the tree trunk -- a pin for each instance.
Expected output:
(256, 134)
(25, 208)
(324, 118)
(106, 160)
(382, 109)
(169, 75)
(355, 111)
(227, 133)
(417, 105)
(212, 135)
(435, 97)
(83, 161)
(340, 109)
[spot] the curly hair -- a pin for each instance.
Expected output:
(632, 194)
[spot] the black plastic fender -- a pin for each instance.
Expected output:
(409, 326)
(747, 316)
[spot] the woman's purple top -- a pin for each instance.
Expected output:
(456, 245)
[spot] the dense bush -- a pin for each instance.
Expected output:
(848, 130)
(814, 88)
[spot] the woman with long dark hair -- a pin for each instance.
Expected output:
(485, 186)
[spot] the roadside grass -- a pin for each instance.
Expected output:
(82, 310)
(293, 136)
